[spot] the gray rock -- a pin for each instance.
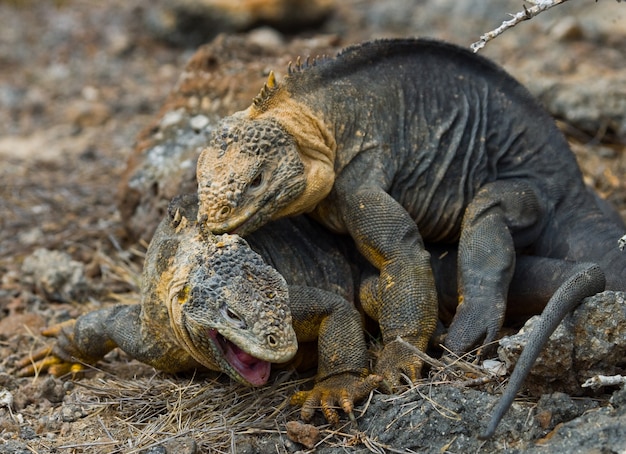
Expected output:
(14, 447)
(181, 445)
(221, 78)
(72, 412)
(194, 22)
(590, 341)
(599, 327)
(56, 275)
(600, 430)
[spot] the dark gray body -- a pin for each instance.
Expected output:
(306, 254)
(471, 157)
(436, 123)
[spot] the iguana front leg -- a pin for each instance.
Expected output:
(79, 343)
(406, 298)
(342, 373)
(87, 339)
(503, 215)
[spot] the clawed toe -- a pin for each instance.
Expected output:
(48, 358)
(399, 364)
(341, 391)
(39, 361)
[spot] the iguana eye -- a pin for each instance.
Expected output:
(258, 180)
(233, 317)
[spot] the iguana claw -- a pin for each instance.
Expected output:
(336, 391)
(476, 322)
(58, 359)
(398, 364)
(45, 360)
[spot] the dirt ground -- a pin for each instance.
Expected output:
(79, 80)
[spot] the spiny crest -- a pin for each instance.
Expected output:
(270, 87)
(308, 63)
(180, 210)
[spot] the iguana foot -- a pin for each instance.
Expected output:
(398, 364)
(59, 359)
(44, 360)
(474, 324)
(342, 390)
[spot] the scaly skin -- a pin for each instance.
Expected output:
(211, 301)
(399, 142)
(230, 314)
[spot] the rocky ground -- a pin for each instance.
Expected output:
(82, 86)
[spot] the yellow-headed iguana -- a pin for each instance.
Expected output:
(213, 302)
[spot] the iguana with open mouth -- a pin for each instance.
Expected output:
(213, 302)
(402, 142)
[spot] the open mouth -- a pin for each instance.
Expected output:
(253, 370)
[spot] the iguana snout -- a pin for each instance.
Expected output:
(227, 306)
(250, 170)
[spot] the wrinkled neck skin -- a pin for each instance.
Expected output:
(171, 282)
(315, 142)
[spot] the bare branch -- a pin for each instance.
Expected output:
(599, 381)
(528, 13)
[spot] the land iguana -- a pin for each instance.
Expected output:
(212, 302)
(401, 142)
(200, 300)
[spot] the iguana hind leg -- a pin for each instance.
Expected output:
(503, 215)
(540, 285)
(586, 229)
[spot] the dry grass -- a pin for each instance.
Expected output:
(136, 414)
(130, 409)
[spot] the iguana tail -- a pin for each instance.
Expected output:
(585, 279)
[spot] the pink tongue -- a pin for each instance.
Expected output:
(254, 370)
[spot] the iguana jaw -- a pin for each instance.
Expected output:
(256, 212)
(249, 365)
(218, 353)
(253, 370)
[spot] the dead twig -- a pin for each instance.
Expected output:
(538, 7)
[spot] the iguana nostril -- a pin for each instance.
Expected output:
(224, 211)
(272, 341)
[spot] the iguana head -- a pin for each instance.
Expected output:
(227, 307)
(272, 160)
(250, 170)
